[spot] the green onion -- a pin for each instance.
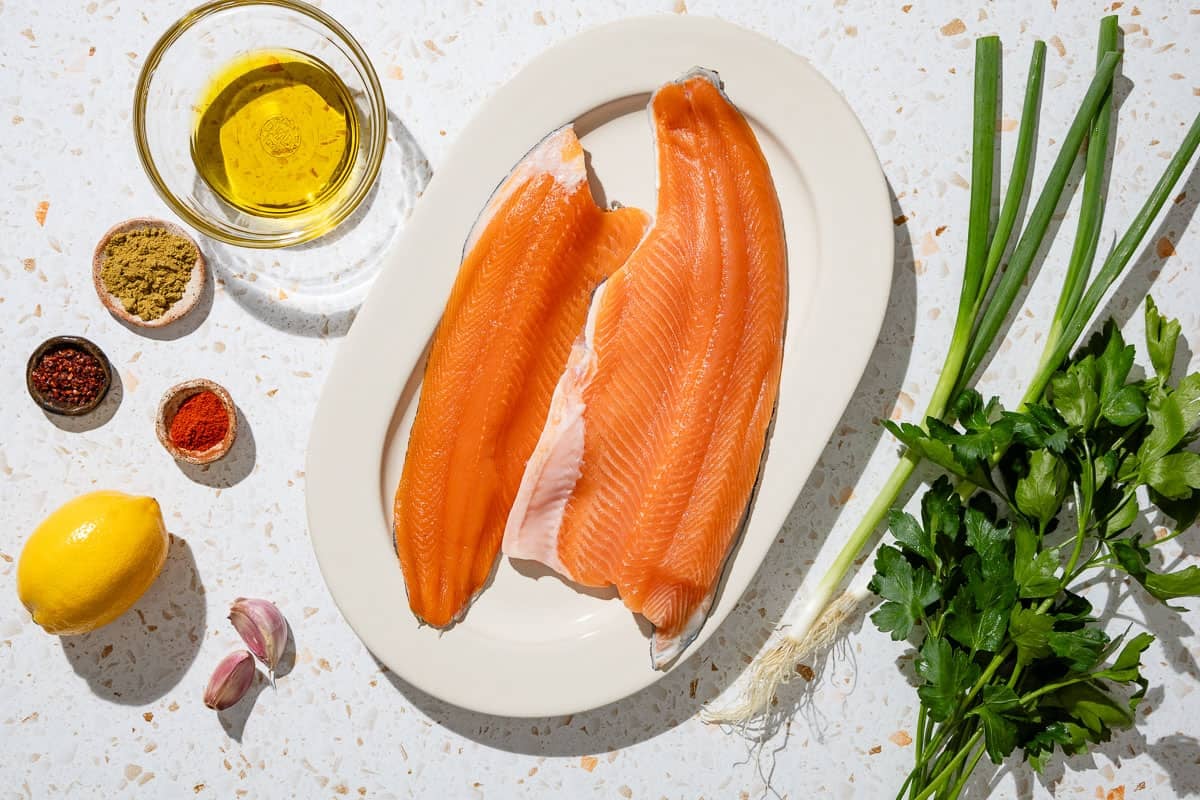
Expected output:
(813, 624)
(1001, 301)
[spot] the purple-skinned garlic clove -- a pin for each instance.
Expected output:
(263, 628)
(230, 680)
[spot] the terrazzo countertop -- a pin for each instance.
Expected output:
(118, 712)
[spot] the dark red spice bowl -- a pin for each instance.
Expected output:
(175, 438)
(68, 375)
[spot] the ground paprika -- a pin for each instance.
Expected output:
(200, 423)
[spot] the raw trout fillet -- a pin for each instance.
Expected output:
(531, 264)
(652, 445)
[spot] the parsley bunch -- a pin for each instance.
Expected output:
(1010, 656)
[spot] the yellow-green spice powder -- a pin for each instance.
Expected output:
(148, 270)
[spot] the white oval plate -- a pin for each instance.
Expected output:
(536, 647)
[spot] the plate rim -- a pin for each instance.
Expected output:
(329, 479)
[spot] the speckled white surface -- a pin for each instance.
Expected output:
(118, 712)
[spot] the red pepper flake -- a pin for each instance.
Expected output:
(69, 377)
(200, 423)
(43, 208)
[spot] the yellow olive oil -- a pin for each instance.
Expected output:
(276, 134)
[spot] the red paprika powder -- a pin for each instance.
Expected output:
(200, 423)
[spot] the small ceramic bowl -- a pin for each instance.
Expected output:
(79, 343)
(191, 295)
(169, 406)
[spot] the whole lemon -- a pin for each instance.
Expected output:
(90, 560)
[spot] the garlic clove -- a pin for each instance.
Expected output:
(262, 627)
(230, 680)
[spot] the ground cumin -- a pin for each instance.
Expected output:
(148, 270)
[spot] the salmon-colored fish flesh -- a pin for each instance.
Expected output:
(536, 254)
(658, 425)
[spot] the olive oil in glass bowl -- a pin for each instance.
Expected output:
(260, 122)
(276, 134)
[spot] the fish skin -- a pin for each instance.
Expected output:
(531, 263)
(669, 393)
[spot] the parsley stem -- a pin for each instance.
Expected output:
(942, 777)
(921, 720)
(956, 790)
(961, 732)
(1125, 498)
(1166, 538)
(1083, 510)
(988, 673)
(1052, 687)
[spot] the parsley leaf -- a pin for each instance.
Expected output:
(907, 590)
(1125, 406)
(1034, 569)
(1171, 585)
(978, 613)
(1162, 335)
(991, 542)
(1174, 476)
(1114, 362)
(1075, 396)
(1040, 493)
(997, 710)
(910, 534)
(930, 449)
(1187, 398)
(948, 674)
(1029, 631)
(1082, 648)
(1166, 428)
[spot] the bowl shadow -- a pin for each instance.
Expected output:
(707, 672)
(361, 242)
(144, 653)
(98, 416)
(237, 464)
(233, 719)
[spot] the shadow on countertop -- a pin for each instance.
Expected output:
(237, 464)
(680, 695)
(233, 720)
(97, 417)
(140, 656)
(343, 262)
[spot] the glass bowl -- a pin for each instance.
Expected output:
(178, 71)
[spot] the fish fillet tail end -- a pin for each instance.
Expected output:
(665, 648)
